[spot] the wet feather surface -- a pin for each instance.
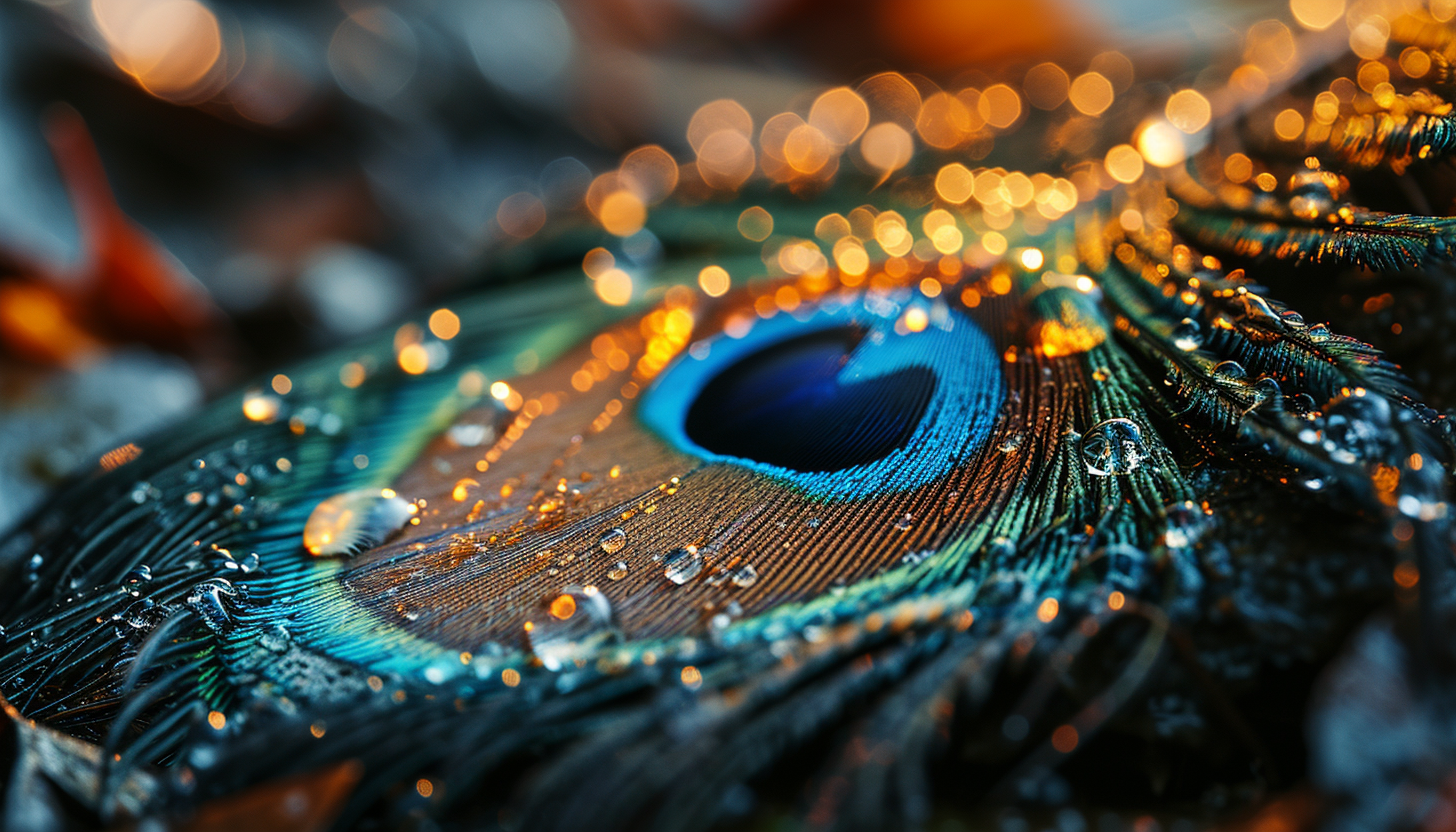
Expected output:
(890, 511)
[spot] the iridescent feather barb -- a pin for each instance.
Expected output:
(974, 477)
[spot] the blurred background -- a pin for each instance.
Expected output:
(195, 191)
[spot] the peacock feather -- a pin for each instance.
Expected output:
(844, 484)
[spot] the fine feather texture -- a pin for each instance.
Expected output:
(622, 599)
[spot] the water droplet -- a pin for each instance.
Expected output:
(612, 541)
(275, 639)
(354, 521)
(1113, 447)
(1358, 424)
(572, 624)
(1186, 524)
(905, 523)
(1267, 393)
(138, 575)
(745, 576)
(1230, 371)
(617, 572)
(682, 565)
(206, 599)
(1187, 335)
(1011, 443)
(470, 435)
(1301, 403)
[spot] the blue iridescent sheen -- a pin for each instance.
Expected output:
(843, 402)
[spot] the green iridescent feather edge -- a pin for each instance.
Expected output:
(626, 744)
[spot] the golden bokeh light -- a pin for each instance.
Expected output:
(716, 116)
(1000, 106)
(1188, 111)
(714, 281)
(168, 46)
(414, 359)
(1046, 86)
(945, 121)
(726, 159)
(891, 97)
(807, 149)
(622, 213)
(1161, 144)
(840, 115)
(1317, 14)
(650, 172)
(1124, 163)
(887, 146)
(1289, 125)
(444, 324)
(755, 223)
(955, 183)
(614, 287)
(1091, 93)
(1415, 62)
(1238, 168)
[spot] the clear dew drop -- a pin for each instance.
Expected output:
(745, 576)
(1357, 426)
(612, 541)
(206, 600)
(618, 571)
(354, 521)
(1186, 525)
(1230, 371)
(572, 623)
(1113, 447)
(682, 565)
(275, 639)
(1011, 443)
(470, 434)
(138, 575)
(1267, 393)
(1187, 335)
(905, 523)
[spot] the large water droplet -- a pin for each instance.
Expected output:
(1267, 393)
(206, 599)
(1113, 447)
(470, 434)
(572, 624)
(618, 571)
(1230, 371)
(1187, 335)
(354, 521)
(1358, 425)
(612, 541)
(745, 576)
(1186, 524)
(682, 565)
